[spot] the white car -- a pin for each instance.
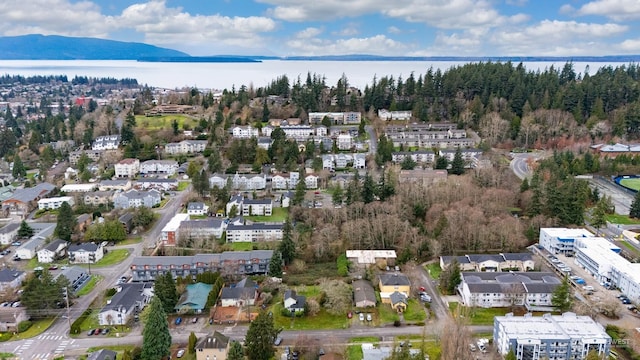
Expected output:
(180, 353)
(361, 316)
(369, 318)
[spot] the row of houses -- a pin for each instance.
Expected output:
(424, 136)
(470, 156)
(342, 161)
(130, 168)
(290, 180)
(490, 262)
(534, 290)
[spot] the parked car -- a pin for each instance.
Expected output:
(277, 341)
(53, 267)
(361, 316)
(588, 288)
(91, 332)
(104, 331)
(195, 320)
(180, 353)
(369, 318)
(16, 243)
(178, 320)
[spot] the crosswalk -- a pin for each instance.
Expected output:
(32, 344)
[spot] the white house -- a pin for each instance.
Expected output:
(54, 202)
(327, 162)
(107, 142)
(85, 253)
(311, 181)
(186, 147)
(130, 300)
(256, 232)
(245, 132)
(257, 207)
(164, 167)
(202, 229)
(52, 251)
(197, 208)
(8, 233)
(359, 161)
(293, 302)
(387, 115)
(344, 142)
(127, 168)
(235, 200)
(242, 293)
(561, 240)
(11, 279)
(285, 181)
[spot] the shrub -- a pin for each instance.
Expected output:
(110, 292)
(397, 323)
(24, 326)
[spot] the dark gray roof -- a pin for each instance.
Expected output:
(238, 293)
(30, 194)
(257, 201)
(126, 298)
(363, 291)
(8, 275)
(397, 297)
(202, 258)
(213, 341)
(505, 282)
(157, 180)
(9, 228)
(125, 217)
(201, 224)
(103, 354)
(72, 273)
(195, 206)
(300, 300)
(485, 257)
(140, 194)
(89, 247)
(53, 246)
(518, 256)
(113, 182)
(255, 226)
(394, 279)
(461, 259)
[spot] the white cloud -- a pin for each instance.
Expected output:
(618, 10)
(309, 32)
(630, 46)
(53, 17)
(393, 30)
(350, 29)
(377, 45)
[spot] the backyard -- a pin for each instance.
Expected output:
(434, 270)
(113, 257)
(323, 320)
(279, 214)
(478, 316)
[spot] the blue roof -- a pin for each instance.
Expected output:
(196, 296)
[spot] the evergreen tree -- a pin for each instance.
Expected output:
(287, 246)
(265, 111)
(441, 163)
(236, 352)
(275, 265)
(18, 170)
(337, 196)
(407, 163)
(260, 337)
(524, 186)
(368, 189)
(298, 195)
(214, 161)
(561, 297)
(25, 231)
(165, 290)
(599, 214)
(156, 339)
(174, 126)
(66, 222)
(193, 339)
(634, 211)
(457, 165)
(450, 278)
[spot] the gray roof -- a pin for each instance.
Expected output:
(55, 244)
(9, 228)
(89, 247)
(8, 275)
(505, 282)
(363, 291)
(518, 256)
(397, 297)
(213, 341)
(113, 182)
(394, 279)
(125, 217)
(33, 244)
(202, 224)
(72, 273)
(257, 201)
(461, 259)
(202, 258)
(103, 354)
(126, 298)
(30, 194)
(300, 300)
(157, 180)
(255, 226)
(138, 194)
(195, 206)
(83, 217)
(485, 257)
(238, 293)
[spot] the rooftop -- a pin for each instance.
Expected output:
(213, 341)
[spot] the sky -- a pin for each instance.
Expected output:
(339, 27)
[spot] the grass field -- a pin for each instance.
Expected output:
(311, 274)
(37, 328)
(632, 183)
(183, 185)
(433, 270)
(354, 352)
(88, 287)
(131, 241)
(279, 214)
(479, 316)
(631, 248)
(621, 219)
(164, 122)
(323, 320)
(241, 246)
(113, 257)
(91, 321)
(415, 312)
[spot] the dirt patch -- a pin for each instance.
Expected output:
(225, 315)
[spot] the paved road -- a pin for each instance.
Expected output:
(438, 306)
(520, 164)
(621, 198)
(373, 139)
(55, 340)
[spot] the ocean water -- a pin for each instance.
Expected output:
(228, 75)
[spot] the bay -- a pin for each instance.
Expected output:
(228, 75)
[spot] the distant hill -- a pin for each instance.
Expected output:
(53, 47)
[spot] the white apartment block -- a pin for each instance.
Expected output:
(165, 167)
(107, 142)
(285, 181)
(337, 118)
(127, 168)
(561, 240)
(486, 289)
(245, 132)
(423, 156)
(54, 202)
(601, 258)
(558, 337)
(186, 147)
(311, 181)
(254, 233)
(387, 115)
(170, 233)
(257, 207)
(344, 142)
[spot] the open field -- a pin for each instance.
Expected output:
(631, 183)
(311, 274)
(433, 270)
(279, 214)
(241, 246)
(621, 219)
(37, 328)
(113, 257)
(164, 122)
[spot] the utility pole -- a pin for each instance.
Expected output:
(66, 296)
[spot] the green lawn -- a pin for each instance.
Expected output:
(632, 183)
(88, 287)
(630, 247)
(113, 257)
(241, 246)
(386, 314)
(621, 219)
(91, 321)
(323, 320)
(131, 241)
(434, 270)
(415, 312)
(278, 214)
(479, 316)
(37, 328)
(183, 185)
(354, 352)
(5, 355)
(312, 273)
(163, 122)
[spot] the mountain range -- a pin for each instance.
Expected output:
(54, 47)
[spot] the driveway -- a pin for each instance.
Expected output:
(417, 273)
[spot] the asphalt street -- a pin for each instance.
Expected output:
(621, 198)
